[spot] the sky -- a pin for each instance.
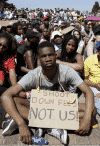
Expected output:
(81, 5)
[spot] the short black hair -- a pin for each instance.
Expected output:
(45, 44)
(97, 30)
(31, 35)
(15, 27)
(98, 49)
(11, 48)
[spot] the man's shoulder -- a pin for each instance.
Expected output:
(91, 59)
(36, 70)
(32, 74)
(65, 69)
(92, 56)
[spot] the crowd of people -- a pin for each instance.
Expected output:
(60, 49)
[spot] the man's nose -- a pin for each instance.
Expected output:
(48, 58)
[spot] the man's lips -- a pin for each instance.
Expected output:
(48, 64)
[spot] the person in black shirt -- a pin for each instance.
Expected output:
(27, 55)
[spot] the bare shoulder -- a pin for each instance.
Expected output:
(28, 53)
(79, 56)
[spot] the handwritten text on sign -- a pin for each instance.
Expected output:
(51, 109)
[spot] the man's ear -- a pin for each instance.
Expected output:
(55, 54)
(38, 62)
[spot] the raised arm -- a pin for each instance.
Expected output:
(29, 60)
(90, 49)
(89, 107)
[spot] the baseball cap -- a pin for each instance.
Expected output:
(45, 18)
(72, 24)
(54, 33)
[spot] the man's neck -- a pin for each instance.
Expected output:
(46, 26)
(49, 74)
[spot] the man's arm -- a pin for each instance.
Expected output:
(89, 83)
(12, 76)
(10, 107)
(90, 49)
(29, 59)
(89, 107)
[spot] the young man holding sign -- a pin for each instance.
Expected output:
(18, 108)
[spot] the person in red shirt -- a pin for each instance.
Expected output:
(7, 67)
(7, 60)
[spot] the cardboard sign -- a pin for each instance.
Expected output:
(52, 109)
(5, 23)
(68, 29)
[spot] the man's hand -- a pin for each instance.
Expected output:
(25, 134)
(98, 85)
(84, 126)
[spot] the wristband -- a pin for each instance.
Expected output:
(28, 95)
(25, 96)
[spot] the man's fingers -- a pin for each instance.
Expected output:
(21, 138)
(77, 131)
(29, 139)
(81, 132)
(24, 140)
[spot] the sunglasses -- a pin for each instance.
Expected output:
(5, 47)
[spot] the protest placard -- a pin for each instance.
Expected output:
(7, 22)
(67, 30)
(53, 109)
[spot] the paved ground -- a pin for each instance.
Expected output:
(93, 139)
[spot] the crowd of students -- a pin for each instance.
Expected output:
(68, 61)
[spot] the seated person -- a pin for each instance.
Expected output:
(45, 36)
(92, 75)
(18, 108)
(7, 67)
(27, 55)
(90, 49)
(69, 56)
(56, 40)
(18, 33)
(77, 34)
(45, 24)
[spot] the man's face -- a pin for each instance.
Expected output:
(45, 32)
(97, 37)
(46, 22)
(58, 39)
(47, 58)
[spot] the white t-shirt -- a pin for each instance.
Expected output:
(45, 14)
(81, 44)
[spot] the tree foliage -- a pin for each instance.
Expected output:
(95, 7)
